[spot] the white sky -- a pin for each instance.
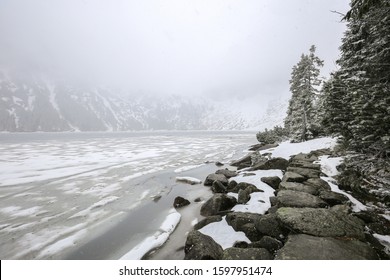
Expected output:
(212, 47)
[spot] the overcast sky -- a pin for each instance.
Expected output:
(213, 47)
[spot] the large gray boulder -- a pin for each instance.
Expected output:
(246, 254)
(305, 164)
(269, 225)
(293, 177)
(272, 181)
(321, 222)
(306, 247)
(246, 160)
(228, 173)
(333, 198)
(273, 163)
(207, 220)
(318, 183)
(211, 178)
(289, 198)
(267, 242)
(218, 187)
(305, 172)
(217, 204)
(201, 247)
(299, 187)
(238, 219)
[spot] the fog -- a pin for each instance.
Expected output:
(209, 47)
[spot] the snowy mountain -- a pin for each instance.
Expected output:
(40, 105)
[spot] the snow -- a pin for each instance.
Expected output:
(189, 180)
(328, 165)
(157, 239)
(384, 240)
(287, 149)
(357, 206)
(224, 234)
(186, 168)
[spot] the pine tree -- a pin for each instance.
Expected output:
(358, 96)
(304, 85)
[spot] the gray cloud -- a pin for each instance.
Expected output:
(213, 47)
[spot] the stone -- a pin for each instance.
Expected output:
(210, 179)
(248, 174)
(299, 187)
(180, 202)
(272, 181)
(242, 186)
(269, 225)
(288, 198)
(243, 196)
(216, 204)
(305, 164)
(333, 198)
(238, 219)
(267, 242)
(321, 222)
(234, 253)
(218, 163)
(201, 247)
(305, 172)
(317, 182)
(207, 220)
(273, 163)
(218, 187)
(306, 247)
(293, 177)
(303, 157)
(251, 232)
(228, 173)
(244, 160)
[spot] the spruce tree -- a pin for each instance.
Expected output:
(304, 85)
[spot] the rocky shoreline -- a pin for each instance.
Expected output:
(306, 220)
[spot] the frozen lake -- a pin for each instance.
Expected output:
(66, 191)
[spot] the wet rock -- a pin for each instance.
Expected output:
(333, 198)
(272, 181)
(206, 221)
(180, 202)
(228, 173)
(216, 204)
(299, 187)
(201, 247)
(210, 179)
(219, 163)
(305, 172)
(273, 163)
(218, 187)
(293, 177)
(246, 254)
(306, 247)
(288, 198)
(269, 225)
(321, 222)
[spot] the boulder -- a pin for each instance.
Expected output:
(251, 232)
(228, 173)
(244, 160)
(305, 172)
(206, 221)
(240, 186)
(333, 198)
(306, 247)
(288, 198)
(303, 157)
(246, 254)
(219, 163)
(216, 204)
(180, 202)
(272, 181)
(201, 247)
(299, 187)
(210, 179)
(317, 182)
(243, 196)
(293, 177)
(248, 174)
(238, 219)
(273, 163)
(267, 242)
(305, 164)
(321, 222)
(269, 225)
(218, 187)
